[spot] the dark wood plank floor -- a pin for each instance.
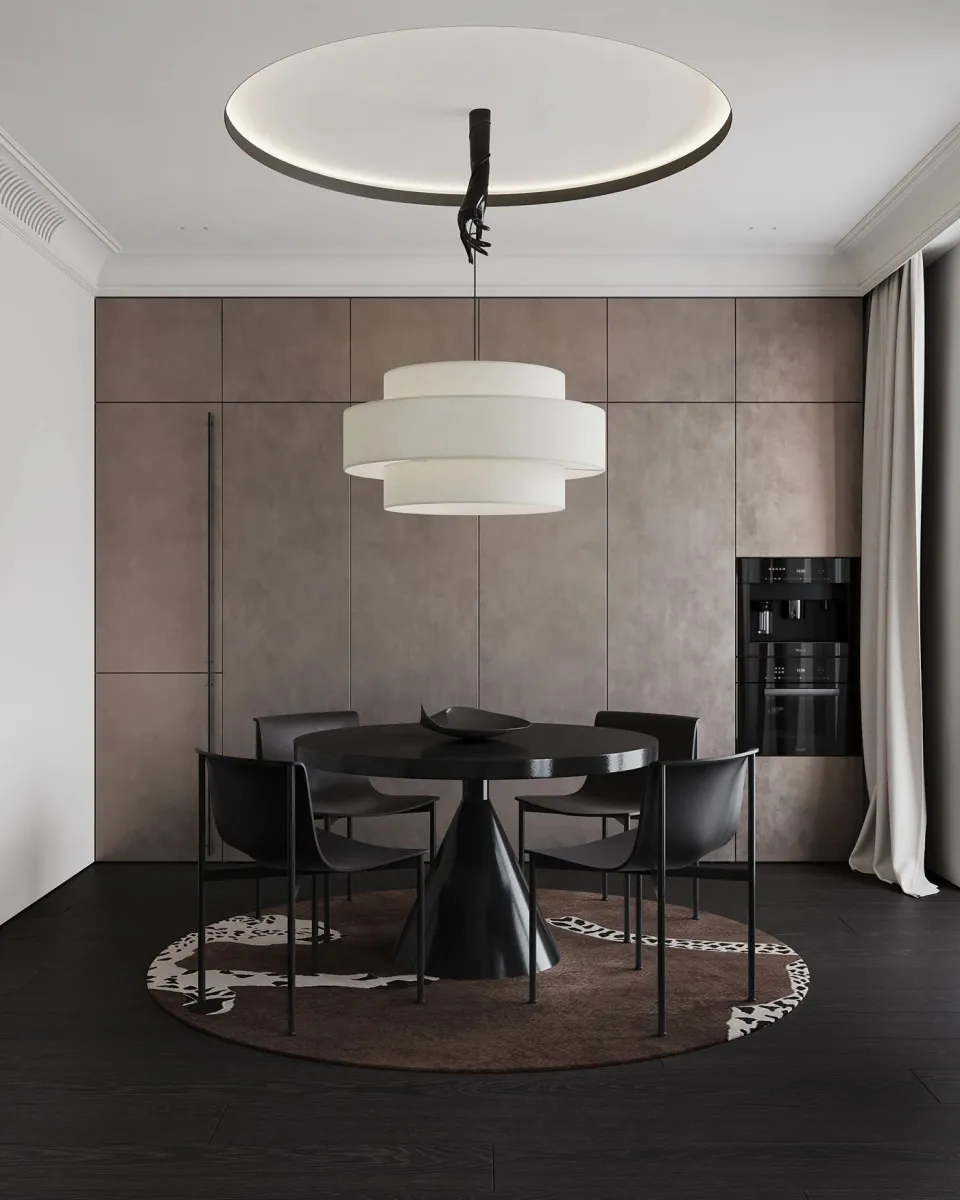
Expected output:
(855, 1095)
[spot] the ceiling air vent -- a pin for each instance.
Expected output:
(27, 205)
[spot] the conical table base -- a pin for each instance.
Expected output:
(477, 902)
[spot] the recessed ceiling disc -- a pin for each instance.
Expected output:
(386, 115)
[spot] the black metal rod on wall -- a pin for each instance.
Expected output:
(211, 574)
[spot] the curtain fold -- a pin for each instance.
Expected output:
(892, 840)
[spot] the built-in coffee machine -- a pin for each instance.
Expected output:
(798, 673)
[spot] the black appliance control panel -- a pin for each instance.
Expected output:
(794, 570)
(797, 671)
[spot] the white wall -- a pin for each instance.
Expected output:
(46, 576)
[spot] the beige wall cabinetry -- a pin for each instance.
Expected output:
(734, 428)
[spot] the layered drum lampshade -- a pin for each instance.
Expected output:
(474, 439)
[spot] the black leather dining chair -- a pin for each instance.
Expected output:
(693, 810)
(263, 809)
(619, 796)
(336, 796)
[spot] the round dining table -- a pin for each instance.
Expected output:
(476, 899)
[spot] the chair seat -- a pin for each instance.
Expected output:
(344, 856)
(361, 799)
(349, 854)
(580, 804)
(606, 854)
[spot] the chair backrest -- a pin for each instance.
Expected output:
(704, 799)
(679, 739)
(249, 802)
(276, 737)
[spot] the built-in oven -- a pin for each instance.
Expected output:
(797, 665)
(797, 705)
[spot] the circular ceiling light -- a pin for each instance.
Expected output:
(474, 438)
(383, 115)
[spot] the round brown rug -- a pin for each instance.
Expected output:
(593, 1009)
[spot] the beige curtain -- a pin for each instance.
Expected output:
(891, 843)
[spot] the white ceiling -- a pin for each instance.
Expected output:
(834, 101)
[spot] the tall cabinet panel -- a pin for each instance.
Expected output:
(285, 564)
(286, 350)
(672, 350)
(151, 528)
(158, 381)
(798, 479)
(158, 351)
(388, 332)
(800, 350)
(672, 563)
(543, 579)
(148, 729)
(569, 334)
(799, 456)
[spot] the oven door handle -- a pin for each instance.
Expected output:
(801, 691)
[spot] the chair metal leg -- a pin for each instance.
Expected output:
(326, 908)
(603, 877)
(626, 910)
(421, 934)
(662, 908)
(532, 915)
(433, 834)
(638, 957)
(291, 903)
(349, 876)
(752, 879)
(314, 924)
(258, 897)
(522, 835)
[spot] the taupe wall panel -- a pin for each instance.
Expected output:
(151, 518)
(808, 809)
(543, 591)
(671, 350)
(286, 350)
(800, 350)
(568, 334)
(413, 609)
(148, 727)
(672, 620)
(798, 479)
(543, 602)
(413, 628)
(285, 564)
(158, 350)
(543, 630)
(388, 333)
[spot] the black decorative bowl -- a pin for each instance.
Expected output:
(471, 724)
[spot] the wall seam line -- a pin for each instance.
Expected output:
(349, 515)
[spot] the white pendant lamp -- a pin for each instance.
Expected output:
(474, 439)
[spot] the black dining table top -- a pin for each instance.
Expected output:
(540, 752)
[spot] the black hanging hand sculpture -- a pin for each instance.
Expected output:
(475, 200)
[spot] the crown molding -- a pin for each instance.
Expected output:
(915, 211)
(71, 240)
(503, 275)
(946, 147)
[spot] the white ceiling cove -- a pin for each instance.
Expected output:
(843, 156)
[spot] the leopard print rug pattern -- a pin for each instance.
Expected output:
(166, 974)
(743, 1019)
